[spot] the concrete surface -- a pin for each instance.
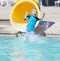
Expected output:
(52, 14)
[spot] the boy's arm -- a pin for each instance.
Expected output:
(38, 19)
(26, 16)
(41, 19)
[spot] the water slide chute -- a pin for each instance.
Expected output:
(18, 12)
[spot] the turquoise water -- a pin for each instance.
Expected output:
(16, 49)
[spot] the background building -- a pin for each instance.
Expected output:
(48, 2)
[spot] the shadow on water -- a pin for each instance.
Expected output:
(42, 26)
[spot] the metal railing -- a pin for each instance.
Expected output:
(57, 3)
(7, 3)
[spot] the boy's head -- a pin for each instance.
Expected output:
(34, 11)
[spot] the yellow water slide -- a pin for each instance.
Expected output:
(18, 12)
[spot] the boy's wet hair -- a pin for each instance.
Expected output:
(34, 9)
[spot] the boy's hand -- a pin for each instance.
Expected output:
(26, 13)
(26, 16)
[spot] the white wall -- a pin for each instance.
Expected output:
(5, 12)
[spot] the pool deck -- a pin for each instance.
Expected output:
(52, 14)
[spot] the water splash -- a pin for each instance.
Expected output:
(31, 37)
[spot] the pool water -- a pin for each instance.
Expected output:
(16, 49)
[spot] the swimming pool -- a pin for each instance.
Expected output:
(15, 49)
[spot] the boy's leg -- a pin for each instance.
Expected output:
(28, 35)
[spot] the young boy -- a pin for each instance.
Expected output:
(32, 19)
